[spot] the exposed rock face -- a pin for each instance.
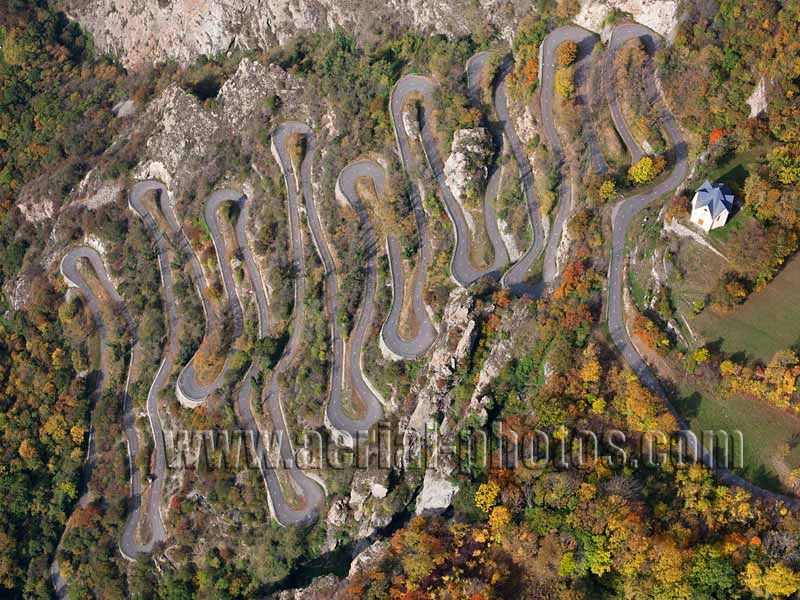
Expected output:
(437, 493)
(322, 588)
(36, 210)
(659, 15)
(467, 166)
(147, 31)
(367, 558)
(186, 133)
(126, 108)
(458, 334)
(434, 399)
(410, 123)
(758, 99)
(337, 515)
(367, 491)
(94, 192)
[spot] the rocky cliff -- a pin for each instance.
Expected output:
(145, 31)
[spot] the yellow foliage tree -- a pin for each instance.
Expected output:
(486, 496)
(565, 86)
(590, 371)
(777, 581)
(77, 432)
(500, 519)
(646, 169)
(27, 450)
(781, 581)
(608, 190)
(701, 355)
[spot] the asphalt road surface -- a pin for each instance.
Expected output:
(461, 267)
(586, 42)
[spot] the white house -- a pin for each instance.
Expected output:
(711, 206)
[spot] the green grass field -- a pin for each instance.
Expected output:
(767, 322)
(764, 436)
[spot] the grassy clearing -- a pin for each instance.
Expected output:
(734, 171)
(481, 252)
(764, 436)
(641, 246)
(408, 325)
(768, 321)
(690, 285)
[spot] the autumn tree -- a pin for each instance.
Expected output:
(565, 84)
(567, 53)
(486, 496)
(646, 169)
(608, 190)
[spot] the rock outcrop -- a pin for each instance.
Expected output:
(437, 493)
(371, 509)
(322, 588)
(141, 32)
(467, 167)
(659, 15)
(185, 134)
(758, 99)
(367, 558)
(450, 348)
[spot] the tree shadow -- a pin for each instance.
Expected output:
(764, 477)
(688, 406)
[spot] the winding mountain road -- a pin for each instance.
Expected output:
(347, 358)
(619, 37)
(623, 214)
(135, 202)
(71, 274)
(70, 271)
(474, 70)
(515, 278)
(336, 414)
(283, 513)
(461, 267)
(346, 187)
(190, 392)
(586, 41)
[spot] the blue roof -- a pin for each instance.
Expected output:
(717, 196)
